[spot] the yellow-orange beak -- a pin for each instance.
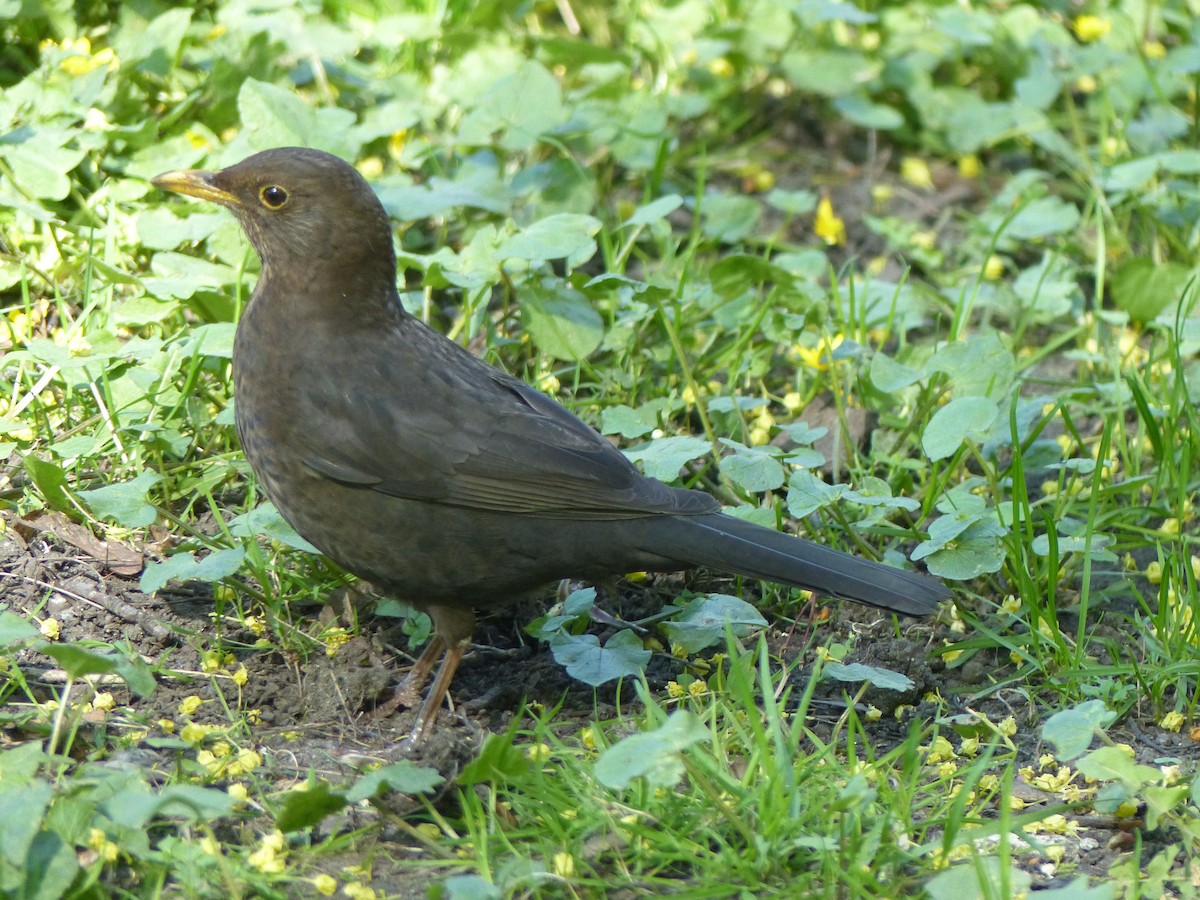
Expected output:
(194, 183)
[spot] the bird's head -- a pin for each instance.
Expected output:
(298, 205)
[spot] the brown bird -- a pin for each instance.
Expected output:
(424, 470)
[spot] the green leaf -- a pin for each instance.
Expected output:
(1144, 288)
(862, 111)
(136, 806)
(792, 203)
(753, 469)
(1161, 800)
(560, 320)
(979, 878)
(306, 808)
(890, 376)
(51, 482)
(585, 660)
(125, 502)
(978, 550)
(702, 622)
(881, 678)
(807, 493)
(185, 567)
(1042, 218)
(627, 421)
(1114, 764)
(662, 458)
(275, 117)
(14, 629)
(465, 887)
(829, 72)
(1071, 730)
(561, 236)
(79, 662)
(498, 761)
(24, 806)
(962, 419)
(265, 519)
(39, 161)
(979, 366)
(51, 867)
(517, 110)
(877, 493)
(652, 755)
(404, 776)
(729, 218)
(654, 211)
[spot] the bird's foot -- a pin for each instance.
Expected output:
(406, 695)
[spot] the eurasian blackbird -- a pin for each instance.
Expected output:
(417, 466)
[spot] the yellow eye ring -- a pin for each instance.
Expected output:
(273, 196)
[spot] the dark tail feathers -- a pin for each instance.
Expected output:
(734, 545)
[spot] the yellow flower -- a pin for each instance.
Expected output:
(1169, 526)
(827, 226)
(588, 735)
(721, 67)
(916, 172)
(370, 167)
(1172, 721)
(538, 752)
(1086, 84)
(674, 690)
(325, 884)
(968, 166)
(1154, 49)
(563, 865)
(993, 268)
(335, 638)
(697, 688)
(241, 676)
(1154, 572)
(356, 890)
(103, 701)
(268, 857)
(819, 357)
(189, 705)
(194, 734)
(397, 142)
(1091, 28)
(238, 792)
(939, 749)
(50, 629)
(98, 841)
(873, 714)
(1008, 727)
(210, 845)
(968, 747)
(78, 58)
(245, 761)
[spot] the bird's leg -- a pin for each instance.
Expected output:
(409, 689)
(454, 628)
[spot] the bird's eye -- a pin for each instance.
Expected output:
(273, 196)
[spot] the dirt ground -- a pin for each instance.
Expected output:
(314, 713)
